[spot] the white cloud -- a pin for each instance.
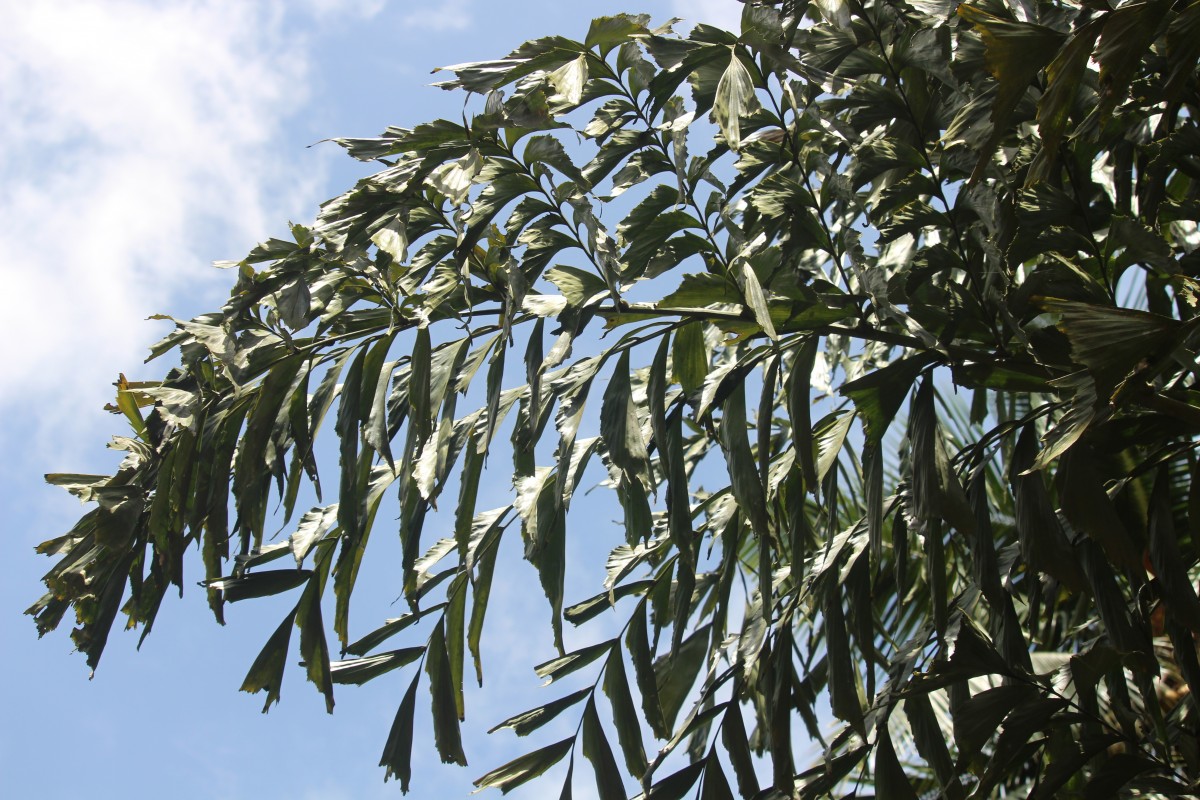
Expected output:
(447, 15)
(725, 14)
(142, 140)
(333, 8)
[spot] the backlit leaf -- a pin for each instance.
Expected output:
(446, 733)
(361, 670)
(527, 767)
(528, 721)
(598, 751)
(267, 670)
(397, 752)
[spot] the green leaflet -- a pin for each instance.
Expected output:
(548, 150)
(361, 670)
(267, 670)
(829, 434)
(594, 606)
(844, 697)
(577, 285)
(928, 737)
(544, 531)
(735, 99)
(606, 33)
(675, 672)
(1165, 556)
(697, 291)
(625, 716)
(258, 453)
(736, 743)
(481, 555)
(678, 60)
(569, 79)
(372, 640)
(739, 459)
(313, 647)
(756, 300)
(676, 785)
(982, 714)
(529, 721)
(621, 427)
(890, 780)
(878, 396)
(1088, 507)
(564, 665)
(679, 507)
(259, 584)
(716, 786)
(1016, 52)
(527, 767)
(1127, 33)
(446, 734)
(1111, 342)
(456, 616)
(397, 751)
(690, 357)
(638, 644)
(454, 179)
(1064, 75)
(393, 240)
(314, 525)
(595, 746)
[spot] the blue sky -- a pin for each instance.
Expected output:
(139, 142)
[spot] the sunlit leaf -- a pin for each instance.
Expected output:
(735, 99)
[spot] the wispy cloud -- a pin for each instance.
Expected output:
(353, 8)
(142, 140)
(448, 15)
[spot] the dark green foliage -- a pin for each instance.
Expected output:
(926, 334)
